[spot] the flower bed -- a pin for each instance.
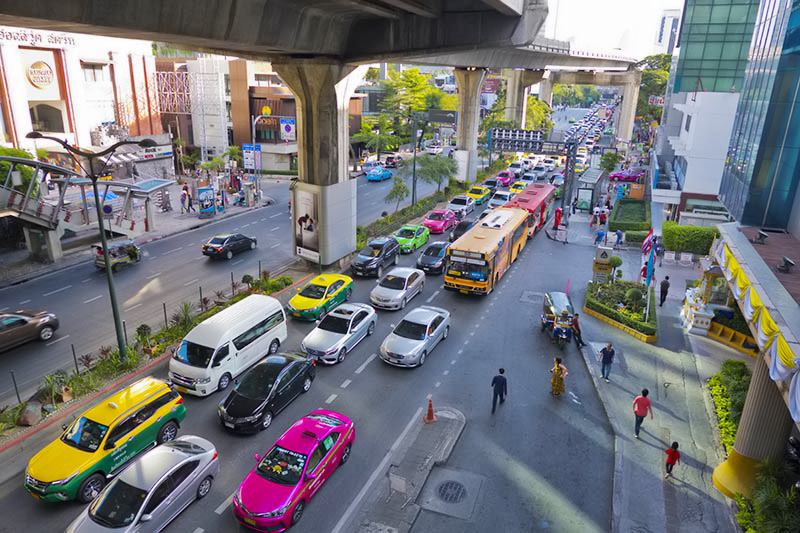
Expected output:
(611, 300)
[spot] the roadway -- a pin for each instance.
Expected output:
(545, 463)
(172, 271)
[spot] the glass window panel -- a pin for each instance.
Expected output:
(717, 28)
(719, 13)
(738, 14)
(713, 51)
(693, 51)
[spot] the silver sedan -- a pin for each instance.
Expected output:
(154, 489)
(340, 331)
(397, 288)
(416, 336)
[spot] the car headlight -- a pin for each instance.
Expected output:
(202, 381)
(66, 479)
(252, 418)
(332, 351)
(290, 308)
(274, 514)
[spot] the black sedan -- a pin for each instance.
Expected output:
(227, 244)
(432, 259)
(265, 390)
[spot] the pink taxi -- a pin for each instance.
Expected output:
(274, 494)
(439, 220)
(505, 177)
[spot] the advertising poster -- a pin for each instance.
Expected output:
(205, 197)
(584, 199)
(306, 219)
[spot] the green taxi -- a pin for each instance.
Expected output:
(411, 237)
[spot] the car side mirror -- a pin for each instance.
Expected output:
(310, 477)
(257, 457)
(64, 427)
(109, 445)
(146, 517)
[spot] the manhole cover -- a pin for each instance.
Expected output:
(452, 492)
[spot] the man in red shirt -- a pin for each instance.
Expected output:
(673, 456)
(641, 406)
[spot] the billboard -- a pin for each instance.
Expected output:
(306, 224)
(205, 197)
(655, 100)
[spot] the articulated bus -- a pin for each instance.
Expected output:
(537, 199)
(478, 259)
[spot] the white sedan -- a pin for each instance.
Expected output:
(397, 287)
(462, 203)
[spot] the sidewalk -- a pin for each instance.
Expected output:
(674, 370)
(17, 266)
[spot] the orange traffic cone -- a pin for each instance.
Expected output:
(429, 418)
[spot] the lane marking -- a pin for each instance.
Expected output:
(224, 505)
(331, 398)
(247, 224)
(275, 245)
(379, 470)
(3, 309)
(345, 383)
(436, 385)
(23, 302)
(460, 352)
(195, 280)
(452, 361)
(429, 396)
(471, 333)
(131, 308)
(238, 261)
(273, 216)
(445, 372)
(151, 276)
(93, 299)
(174, 250)
(466, 342)
(432, 296)
(365, 363)
(262, 219)
(198, 530)
(87, 280)
(65, 287)
(276, 228)
(57, 340)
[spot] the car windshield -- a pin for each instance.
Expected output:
(491, 183)
(217, 240)
(434, 251)
(501, 196)
(393, 282)
(476, 190)
(257, 383)
(458, 201)
(436, 215)
(325, 419)
(194, 354)
(85, 434)
(336, 324)
(405, 233)
(313, 291)
(185, 446)
(282, 466)
(410, 330)
(117, 505)
(371, 250)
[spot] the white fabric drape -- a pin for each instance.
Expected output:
(794, 398)
(777, 370)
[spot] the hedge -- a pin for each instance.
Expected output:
(635, 237)
(692, 239)
(279, 172)
(648, 328)
(630, 215)
(728, 389)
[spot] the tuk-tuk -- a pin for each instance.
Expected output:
(557, 317)
(119, 253)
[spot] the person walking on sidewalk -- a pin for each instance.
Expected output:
(500, 388)
(559, 372)
(664, 290)
(641, 406)
(620, 235)
(606, 359)
(673, 456)
(576, 331)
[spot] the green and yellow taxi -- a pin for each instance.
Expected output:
(100, 442)
(319, 296)
(480, 194)
(517, 187)
(411, 237)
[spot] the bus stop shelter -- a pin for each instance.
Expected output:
(589, 191)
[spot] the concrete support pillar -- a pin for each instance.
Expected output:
(763, 430)
(324, 199)
(469, 84)
(150, 221)
(33, 241)
(52, 240)
(630, 96)
(546, 90)
(517, 94)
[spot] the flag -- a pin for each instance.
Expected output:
(651, 264)
(648, 242)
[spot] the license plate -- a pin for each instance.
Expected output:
(295, 314)
(249, 521)
(182, 389)
(463, 291)
(35, 495)
(228, 425)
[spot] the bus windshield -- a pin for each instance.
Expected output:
(461, 269)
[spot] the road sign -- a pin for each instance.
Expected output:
(288, 132)
(443, 116)
(602, 254)
(601, 267)
(252, 156)
(107, 209)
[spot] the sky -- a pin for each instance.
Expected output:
(605, 25)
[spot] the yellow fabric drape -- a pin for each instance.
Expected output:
(785, 353)
(755, 304)
(732, 267)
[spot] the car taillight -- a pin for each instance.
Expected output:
(215, 455)
(179, 401)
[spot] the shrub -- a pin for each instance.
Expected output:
(636, 237)
(745, 515)
(692, 239)
(733, 319)
(605, 299)
(728, 389)
(630, 215)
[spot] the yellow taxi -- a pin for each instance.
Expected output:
(319, 296)
(479, 193)
(517, 187)
(100, 442)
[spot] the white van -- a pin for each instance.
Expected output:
(228, 343)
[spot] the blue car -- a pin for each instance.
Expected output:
(379, 174)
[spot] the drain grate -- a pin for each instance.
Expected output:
(452, 492)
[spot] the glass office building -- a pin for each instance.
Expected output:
(761, 172)
(714, 42)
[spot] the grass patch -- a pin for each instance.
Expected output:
(624, 302)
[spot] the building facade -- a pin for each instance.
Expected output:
(667, 36)
(759, 184)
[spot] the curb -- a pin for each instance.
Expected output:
(649, 339)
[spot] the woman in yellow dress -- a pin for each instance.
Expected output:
(559, 372)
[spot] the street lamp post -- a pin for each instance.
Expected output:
(90, 157)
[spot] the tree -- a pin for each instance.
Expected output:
(235, 153)
(430, 169)
(609, 161)
(405, 92)
(537, 115)
(614, 262)
(25, 172)
(575, 95)
(376, 137)
(216, 165)
(398, 193)
(655, 74)
(373, 74)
